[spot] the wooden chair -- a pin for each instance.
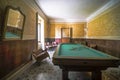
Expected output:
(39, 55)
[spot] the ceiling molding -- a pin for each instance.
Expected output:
(33, 5)
(106, 7)
(68, 20)
(41, 11)
(75, 9)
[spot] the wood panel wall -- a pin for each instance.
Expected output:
(111, 47)
(14, 53)
(108, 46)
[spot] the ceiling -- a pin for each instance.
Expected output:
(71, 10)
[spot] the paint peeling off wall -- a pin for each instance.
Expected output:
(107, 25)
(77, 29)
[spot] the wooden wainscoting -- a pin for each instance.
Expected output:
(65, 40)
(14, 53)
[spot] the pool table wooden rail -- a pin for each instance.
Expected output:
(86, 62)
(77, 63)
(81, 61)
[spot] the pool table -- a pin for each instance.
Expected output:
(77, 57)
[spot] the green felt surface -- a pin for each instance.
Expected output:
(80, 50)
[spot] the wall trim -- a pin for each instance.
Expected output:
(33, 5)
(94, 37)
(14, 74)
(68, 23)
(104, 8)
(68, 20)
(105, 37)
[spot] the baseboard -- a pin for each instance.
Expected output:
(12, 75)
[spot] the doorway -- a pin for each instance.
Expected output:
(40, 32)
(66, 35)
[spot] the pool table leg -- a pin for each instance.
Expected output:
(65, 75)
(96, 75)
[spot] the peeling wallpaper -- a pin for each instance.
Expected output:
(46, 28)
(77, 29)
(30, 17)
(107, 24)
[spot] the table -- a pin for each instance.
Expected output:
(77, 57)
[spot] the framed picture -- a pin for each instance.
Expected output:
(13, 24)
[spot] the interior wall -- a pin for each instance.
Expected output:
(108, 46)
(46, 29)
(106, 24)
(30, 17)
(77, 29)
(14, 53)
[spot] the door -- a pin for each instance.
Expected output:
(66, 35)
(40, 32)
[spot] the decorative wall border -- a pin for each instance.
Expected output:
(105, 37)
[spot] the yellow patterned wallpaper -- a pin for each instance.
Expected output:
(30, 17)
(52, 31)
(107, 24)
(77, 29)
(46, 29)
